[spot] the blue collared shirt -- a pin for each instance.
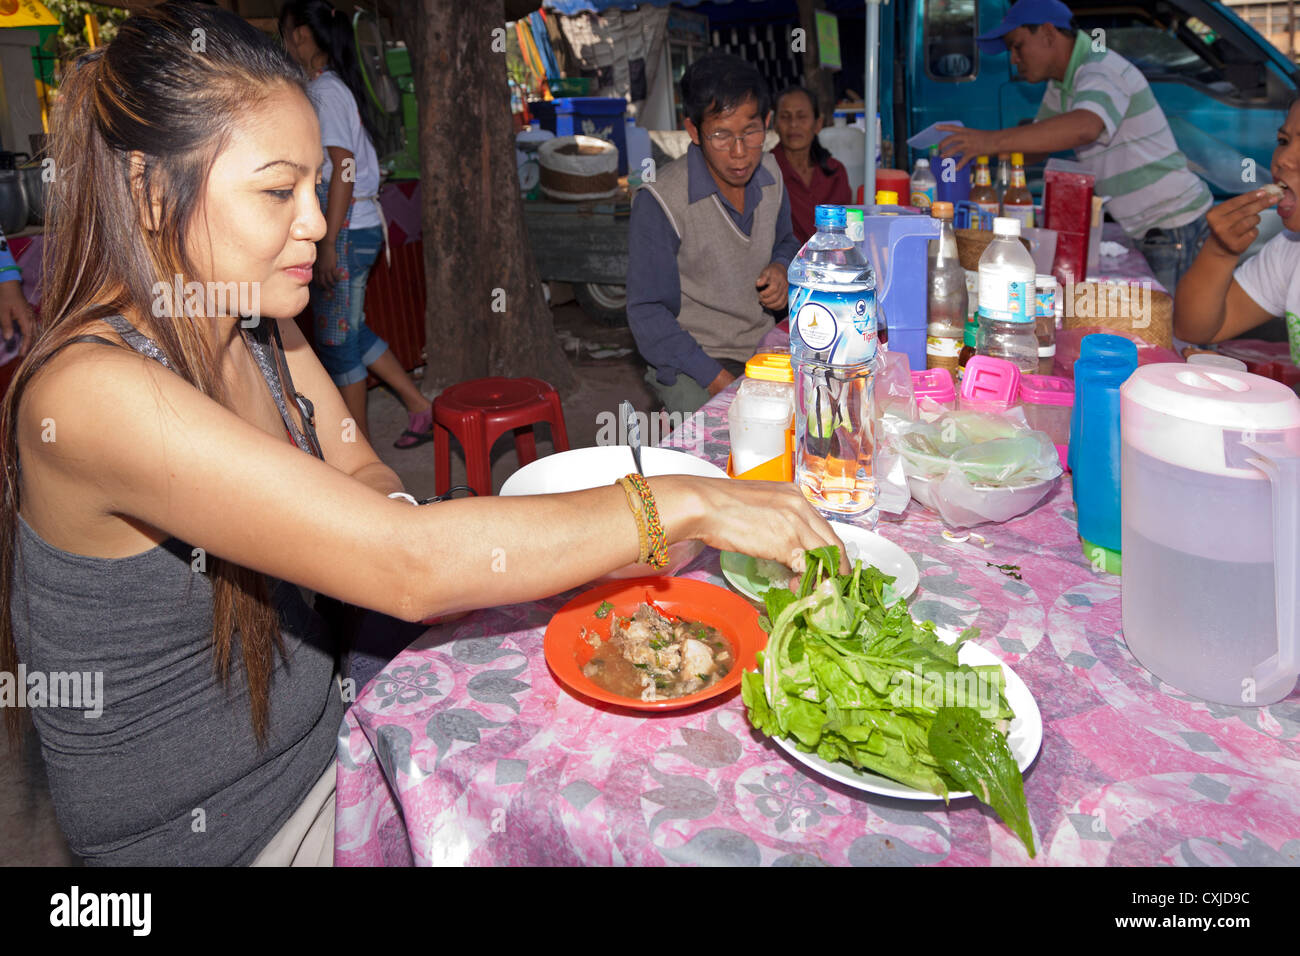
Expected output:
(654, 289)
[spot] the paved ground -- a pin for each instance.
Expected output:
(608, 372)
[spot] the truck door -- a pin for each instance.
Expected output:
(947, 76)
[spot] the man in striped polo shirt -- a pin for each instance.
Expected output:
(1099, 105)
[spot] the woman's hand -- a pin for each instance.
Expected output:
(765, 519)
(327, 264)
(16, 314)
(1234, 224)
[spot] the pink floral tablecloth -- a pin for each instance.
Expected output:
(465, 750)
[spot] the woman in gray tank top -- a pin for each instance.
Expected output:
(177, 463)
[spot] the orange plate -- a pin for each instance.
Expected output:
(733, 617)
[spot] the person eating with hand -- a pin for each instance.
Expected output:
(1218, 299)
(710, 240)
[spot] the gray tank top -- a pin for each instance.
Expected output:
(170, 772)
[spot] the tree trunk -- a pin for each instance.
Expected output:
(485, 313)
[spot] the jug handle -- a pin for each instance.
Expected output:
(1283, 471)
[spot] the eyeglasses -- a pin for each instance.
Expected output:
(723, 139)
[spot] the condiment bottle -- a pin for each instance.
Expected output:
(982, 193)
(1045, 322)
(761, 420)
(1018, 201)
(946, 304)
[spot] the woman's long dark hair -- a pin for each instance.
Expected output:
(140, 122)
(331, 29)
(819, 154)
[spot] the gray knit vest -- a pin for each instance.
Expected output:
(718, 264)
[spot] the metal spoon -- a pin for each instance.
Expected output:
(633, 433)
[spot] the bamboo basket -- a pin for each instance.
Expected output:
(971, 244)
(1139, 311)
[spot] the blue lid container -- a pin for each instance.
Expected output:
(1097, 380)
(1099, 344)
(599, 116)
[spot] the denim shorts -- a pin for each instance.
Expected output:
(347, 361)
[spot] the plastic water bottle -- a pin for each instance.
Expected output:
(924, 185)
(833, 348)
(1006, 309)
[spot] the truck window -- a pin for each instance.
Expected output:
(1171, 46)
(949, 36)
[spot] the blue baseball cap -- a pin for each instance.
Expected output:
(1024, 13)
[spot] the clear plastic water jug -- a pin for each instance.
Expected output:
(1210, 504)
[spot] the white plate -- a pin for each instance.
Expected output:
(1025, 737)
(873, 549)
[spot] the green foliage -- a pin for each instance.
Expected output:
(72, 15)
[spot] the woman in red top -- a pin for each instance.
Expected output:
(811, 176)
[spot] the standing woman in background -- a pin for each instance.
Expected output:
(319, 37)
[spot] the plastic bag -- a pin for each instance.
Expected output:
(895, 402)
(973, 467)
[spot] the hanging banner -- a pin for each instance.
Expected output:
(828, 39)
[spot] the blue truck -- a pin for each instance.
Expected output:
(1223, 87)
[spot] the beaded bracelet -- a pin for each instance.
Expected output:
(657, 551)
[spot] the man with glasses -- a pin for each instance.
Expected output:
(710, 240)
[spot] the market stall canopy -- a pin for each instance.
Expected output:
(756, 9)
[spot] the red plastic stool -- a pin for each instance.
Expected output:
(479, 411)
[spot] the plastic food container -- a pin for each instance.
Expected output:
(761, 419)
(1048, 401)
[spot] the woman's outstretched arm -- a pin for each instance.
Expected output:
(140, 443)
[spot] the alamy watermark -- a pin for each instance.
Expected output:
(1115, 300)
(75, 690)
(207, 300)
(948, 688)
(685, 430)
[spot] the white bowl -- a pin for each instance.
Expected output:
(989, 502)
(582, 468)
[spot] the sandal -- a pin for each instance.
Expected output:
(418, 431)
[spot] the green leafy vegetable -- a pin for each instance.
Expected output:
(1010, 570)
(604, 609)
(850, 679)
(978, 758)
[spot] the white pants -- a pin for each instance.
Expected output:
(307, 837)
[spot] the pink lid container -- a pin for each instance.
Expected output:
(1048, 401)
(934, 384)
(1046, 390)
(990, 382)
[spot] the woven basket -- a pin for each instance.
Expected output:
(971, 244)
(1142, 312)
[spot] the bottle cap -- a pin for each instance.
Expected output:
(770, 367)
(941, 210)
(1002, 226)
(1018, 159)
(854, 215)
(829, 216)
(982, 159)
(886, 197)
(923, 162)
